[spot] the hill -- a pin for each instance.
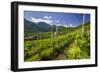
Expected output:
(40, 27)
(69, 46)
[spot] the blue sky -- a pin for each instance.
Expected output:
(57, 18)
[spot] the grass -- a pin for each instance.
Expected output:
(73, 45)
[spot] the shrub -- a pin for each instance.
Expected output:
(47, 54)
(74, 53)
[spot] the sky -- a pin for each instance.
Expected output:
(56, 18)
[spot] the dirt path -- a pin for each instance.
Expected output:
(63, 54)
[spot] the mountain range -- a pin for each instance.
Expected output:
(30, 26)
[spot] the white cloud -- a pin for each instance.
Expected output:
(47, 17)
(49, 21)
(65, 25)
(50, 17)
(57, 21)
(71, 25)
(36, 20)
(58, 24)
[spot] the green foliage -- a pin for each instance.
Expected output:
(47, 54)
(81, 48)
(84, 43)
(74, 53)
(48, 48)
(36, 57)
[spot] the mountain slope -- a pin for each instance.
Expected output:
(45, 27)
(30, 26)
(40, 27)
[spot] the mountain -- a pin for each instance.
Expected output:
(40, 27)
(36, 27)
(30, 26)
(44, 26)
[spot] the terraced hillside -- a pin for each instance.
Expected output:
(65, 46)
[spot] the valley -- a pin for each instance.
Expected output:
(41, 43)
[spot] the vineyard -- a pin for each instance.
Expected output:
(73, 45)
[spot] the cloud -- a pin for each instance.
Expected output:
(49, 21)
(66, 25)
(47, 17)
(58, 24)
(57, 21)
(36, 20)
(71, 25)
